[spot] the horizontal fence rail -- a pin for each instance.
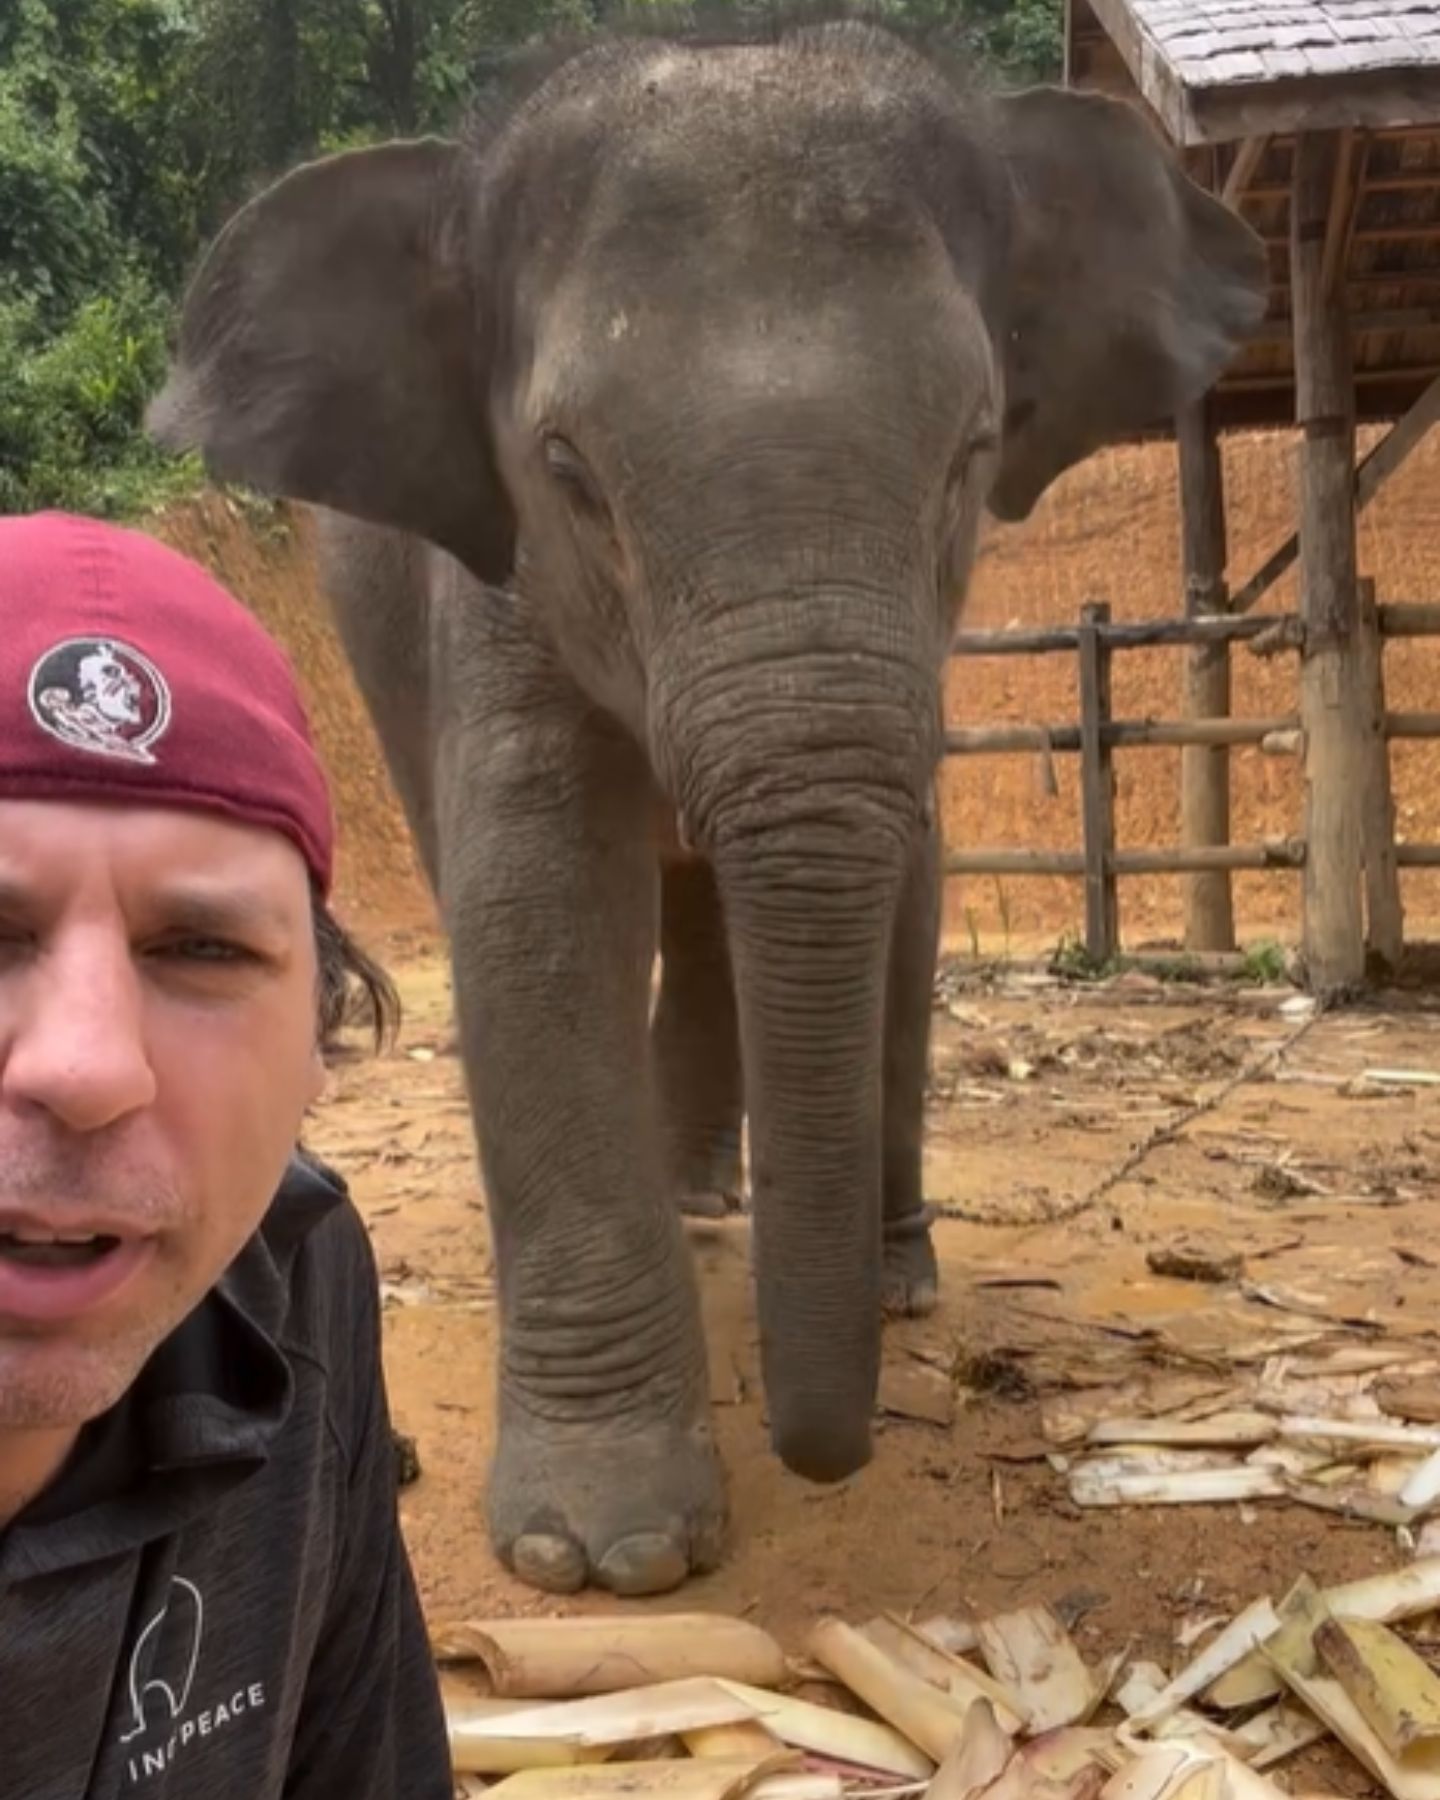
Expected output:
(1115, 734)
(1096, 736)
(1197, 859)
(1131, 734)
(1396, 619)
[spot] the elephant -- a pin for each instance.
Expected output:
(650, 421)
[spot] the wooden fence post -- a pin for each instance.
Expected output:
(1332, 707)
(1097, 787)
(1385, 918)
(1204, 773)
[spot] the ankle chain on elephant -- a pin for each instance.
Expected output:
(911, 1225)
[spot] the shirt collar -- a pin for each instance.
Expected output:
(201, 1417)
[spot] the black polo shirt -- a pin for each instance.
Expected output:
(213, 1598)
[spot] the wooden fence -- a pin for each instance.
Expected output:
(1097, 735)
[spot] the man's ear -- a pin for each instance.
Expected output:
(1130, 289)
(333, 348)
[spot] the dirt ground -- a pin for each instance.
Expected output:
(1073, 1130)
(1042, 1095)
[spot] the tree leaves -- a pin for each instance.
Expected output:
(130, 129)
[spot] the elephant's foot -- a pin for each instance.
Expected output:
(633, 1511)
(709, 1203)
(707, 1177)
(910, 1285)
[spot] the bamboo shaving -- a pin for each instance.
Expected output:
(1030, 1652)
(569, 1658)
(1242, 1634)
(689, 1780)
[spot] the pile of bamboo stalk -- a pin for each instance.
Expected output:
(1354, 1430)
(701, 1707)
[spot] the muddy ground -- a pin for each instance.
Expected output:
(1074, 1130)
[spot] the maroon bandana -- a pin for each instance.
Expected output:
(128, 674)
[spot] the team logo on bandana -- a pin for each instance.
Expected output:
(100, 695)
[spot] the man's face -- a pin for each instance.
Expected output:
(157, 1054)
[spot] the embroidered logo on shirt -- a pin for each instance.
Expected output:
(160, 1682)
(179, 1625)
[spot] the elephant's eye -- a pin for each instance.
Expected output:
(571, 473)
(982, 442)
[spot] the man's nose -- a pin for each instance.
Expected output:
(78, 1049)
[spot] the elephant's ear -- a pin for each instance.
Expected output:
(332, 348)
(1130, 288)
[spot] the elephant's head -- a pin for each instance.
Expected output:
(719, 354)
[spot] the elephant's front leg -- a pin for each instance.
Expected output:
(696, 1038)
(911, 1275)
(605, 1470)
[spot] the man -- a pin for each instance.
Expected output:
(203, 1588)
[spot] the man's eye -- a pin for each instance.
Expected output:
(204, 950)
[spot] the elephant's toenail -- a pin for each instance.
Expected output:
(707, 1547)
(556, 1564)
(648, 1562)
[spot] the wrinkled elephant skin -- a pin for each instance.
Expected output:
(652, 424)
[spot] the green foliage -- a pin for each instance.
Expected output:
(1266, 963)
(1022, 41)
(130, 129)
(56, 242)
(95, 222)
(1071, 961)
(71, 404)
(1016, 41)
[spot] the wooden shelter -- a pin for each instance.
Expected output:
(1319, 120)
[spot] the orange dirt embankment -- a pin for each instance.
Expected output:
(268, 561)
(1107, 531)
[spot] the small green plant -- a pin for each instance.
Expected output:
(1264, 962)
(1073, 962)
(266, 517)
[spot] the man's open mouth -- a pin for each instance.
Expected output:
(35, 1251)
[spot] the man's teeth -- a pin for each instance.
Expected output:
(22, 1236)
(54, 1250)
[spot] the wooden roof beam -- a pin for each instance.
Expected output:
(1374, 376)
(1247, 160)
(1407, 278)
(1382, 99)
(1404, 182)
(1423, 233)
(1397, 318)
(1344, 200)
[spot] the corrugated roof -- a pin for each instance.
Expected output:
(1216, 43)
(1217, 70)
(1180, 59)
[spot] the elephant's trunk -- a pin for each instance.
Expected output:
(807, 790)
(809, 972)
